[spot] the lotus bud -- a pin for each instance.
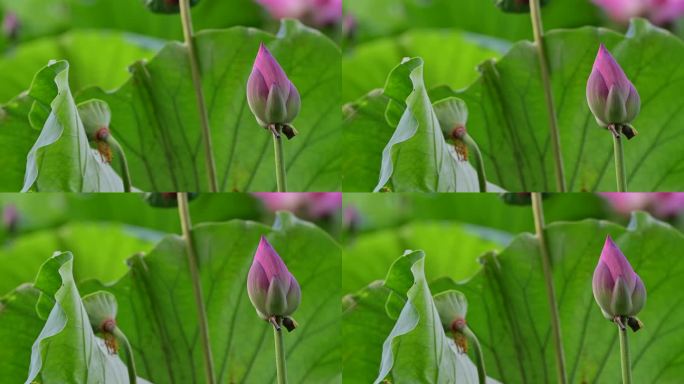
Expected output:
(611, 96)
(272, 289)
(273, 99)
(101, 308)
(618, 290)
(166, 6)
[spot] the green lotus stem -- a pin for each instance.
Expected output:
(119, 153)
(620, 174)
(186, 225)
(188, 34)
(479, 357)
(279, 163)
(538, 212)
(281, 368)
(624, 355)
(538, 31)
(479, 162)
(130, 360)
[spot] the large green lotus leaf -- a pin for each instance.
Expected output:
(449, 56)
(67, 350)
(510, 314)
(154, 115)
(509, 121)
(383, 17)
(19, 327)
(156, 306)
(17, 138)
(106, 253)
(61, 158)
(108, 68)
(412, 348)
(369, 256)
(416, 158)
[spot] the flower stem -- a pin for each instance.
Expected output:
(130, 360)
(479, 162)
(620, 173)
(125, 173)
(479, 358)
(281, 367)
(188, 34)
(279, 162)
(538, 30)
(538, 212)
(624, 355)
(186, 224)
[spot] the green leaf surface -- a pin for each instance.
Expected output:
(19, 327)
(509, 121)
(67, 350)
(96, 58)
(415, 347)
(17, 138)
(106, 254)
(61, 159)
(508, 308)
(370, 255)
(449, 56)
(154, 115)
(157, 312)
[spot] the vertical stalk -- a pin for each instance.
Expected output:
(624, 356)
(130, 361)
(279, 163)
(479, 162)
(281, 368)
(188, 34)
(125, 173)
(479, 358)
(186, 224)
(538, 30)
(538, 211)
(620, 173)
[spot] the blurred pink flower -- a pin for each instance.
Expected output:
(10, 218)
(658, 11)
(314, 205)
(659, 204)
(316, 12)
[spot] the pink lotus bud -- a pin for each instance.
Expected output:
(611, 96)
(618, 290)
(658, 11)
(273, 290)
(272, 97)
